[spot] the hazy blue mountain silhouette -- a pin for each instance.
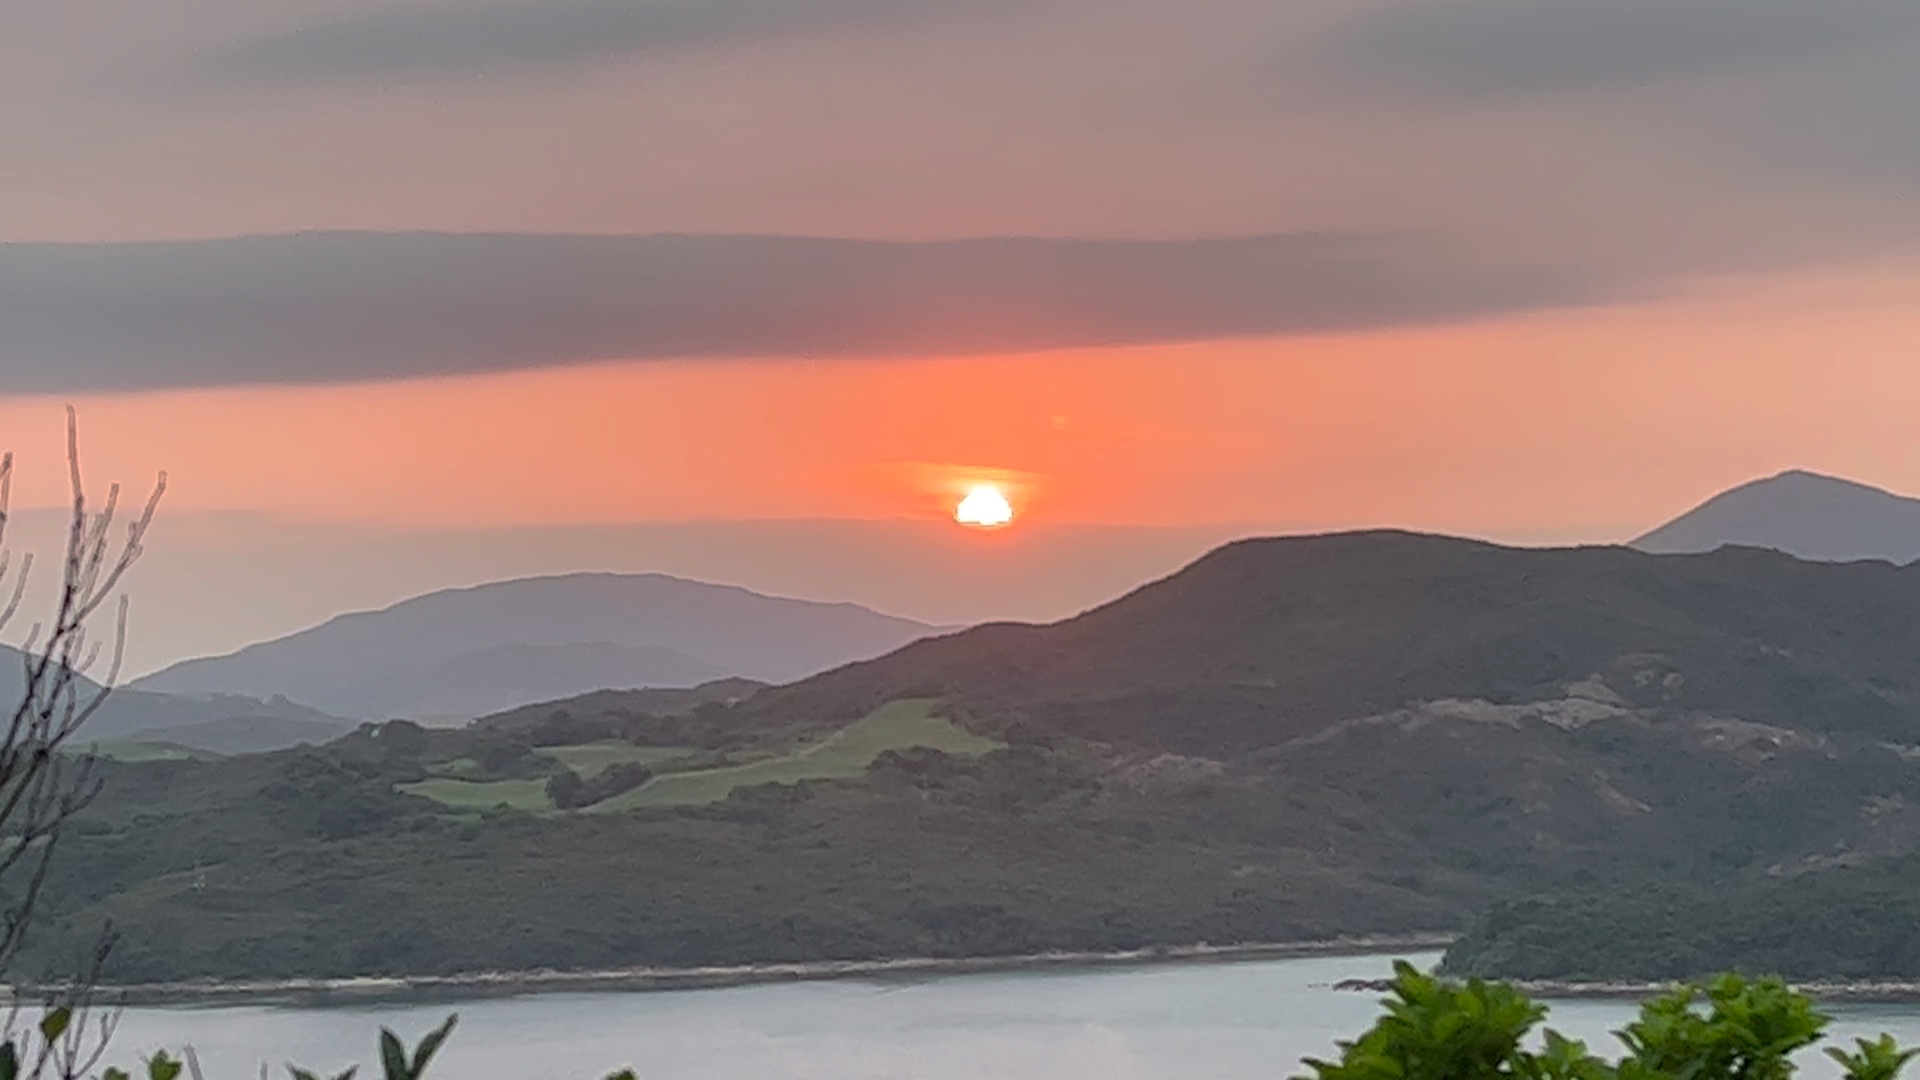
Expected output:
(202, 721)
(1804, 514)
(469, 652)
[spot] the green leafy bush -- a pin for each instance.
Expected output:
(1728, 1028)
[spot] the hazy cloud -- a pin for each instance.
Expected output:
(1513, 48)
(1641, 139)
(333, 307)
(401, 42)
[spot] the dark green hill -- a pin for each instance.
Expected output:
(1841, 923)
(622, 711)
(246, 732)
(1372, 732)
(1262, 641)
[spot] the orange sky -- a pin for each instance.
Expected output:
(1582, 424)
(1735, 178)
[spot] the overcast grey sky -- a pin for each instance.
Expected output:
(1686, 134)
(1495, 155)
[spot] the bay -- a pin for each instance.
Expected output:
(1218, 1021)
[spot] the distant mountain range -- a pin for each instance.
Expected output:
(1290, 739)
(463, 653)
(1804, 514)
(222, 723)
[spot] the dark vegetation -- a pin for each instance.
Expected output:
(659, 717)
(1724, 1029)
(1839, 924)
(309, 863)
(1291, 739)
(568, 790)
(1266, 640)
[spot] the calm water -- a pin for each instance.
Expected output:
(1202, 1022)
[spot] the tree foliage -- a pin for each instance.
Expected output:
(1726, 1028)
(1852, 924)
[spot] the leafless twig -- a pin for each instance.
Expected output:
(42, 784)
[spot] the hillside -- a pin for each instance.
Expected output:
(245, 732)
(1803, 514)
(1856, 920)
(1375, 732)
(203, 722)
(1266, 641)
(467, 652)
(614, 706)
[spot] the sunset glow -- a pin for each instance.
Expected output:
(1148, 313)
(984, 508)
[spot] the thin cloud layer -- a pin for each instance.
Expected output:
(412, 42)
(1651, 141)
(337, 307)
(1519, 48)
(1813, 97)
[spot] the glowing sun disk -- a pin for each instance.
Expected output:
(984, 508)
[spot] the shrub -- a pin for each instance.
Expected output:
(1728, 1028)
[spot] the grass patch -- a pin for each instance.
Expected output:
(482, 794)
(592, 759)
(846, 753)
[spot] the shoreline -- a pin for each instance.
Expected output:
(1890, 992)
(377, 989)
(1876, 992)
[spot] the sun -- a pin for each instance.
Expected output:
(985, 507)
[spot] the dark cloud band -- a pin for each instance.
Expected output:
(336, 307)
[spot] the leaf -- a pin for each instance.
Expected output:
(162, 1067)
(9, 1062)
(303, 1074)
(430, 1045)
(393, 1057)
(55, 1023)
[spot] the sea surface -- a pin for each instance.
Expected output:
(1220, 1021)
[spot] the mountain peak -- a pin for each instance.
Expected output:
(1806, 514)
(495, 646)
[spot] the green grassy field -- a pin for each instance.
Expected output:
(592, 759)
(846, 753)
(482, 794)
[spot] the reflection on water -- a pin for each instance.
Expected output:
(1196, 1022)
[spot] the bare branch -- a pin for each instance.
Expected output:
(44, 784)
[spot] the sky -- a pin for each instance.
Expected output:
(414, 293)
